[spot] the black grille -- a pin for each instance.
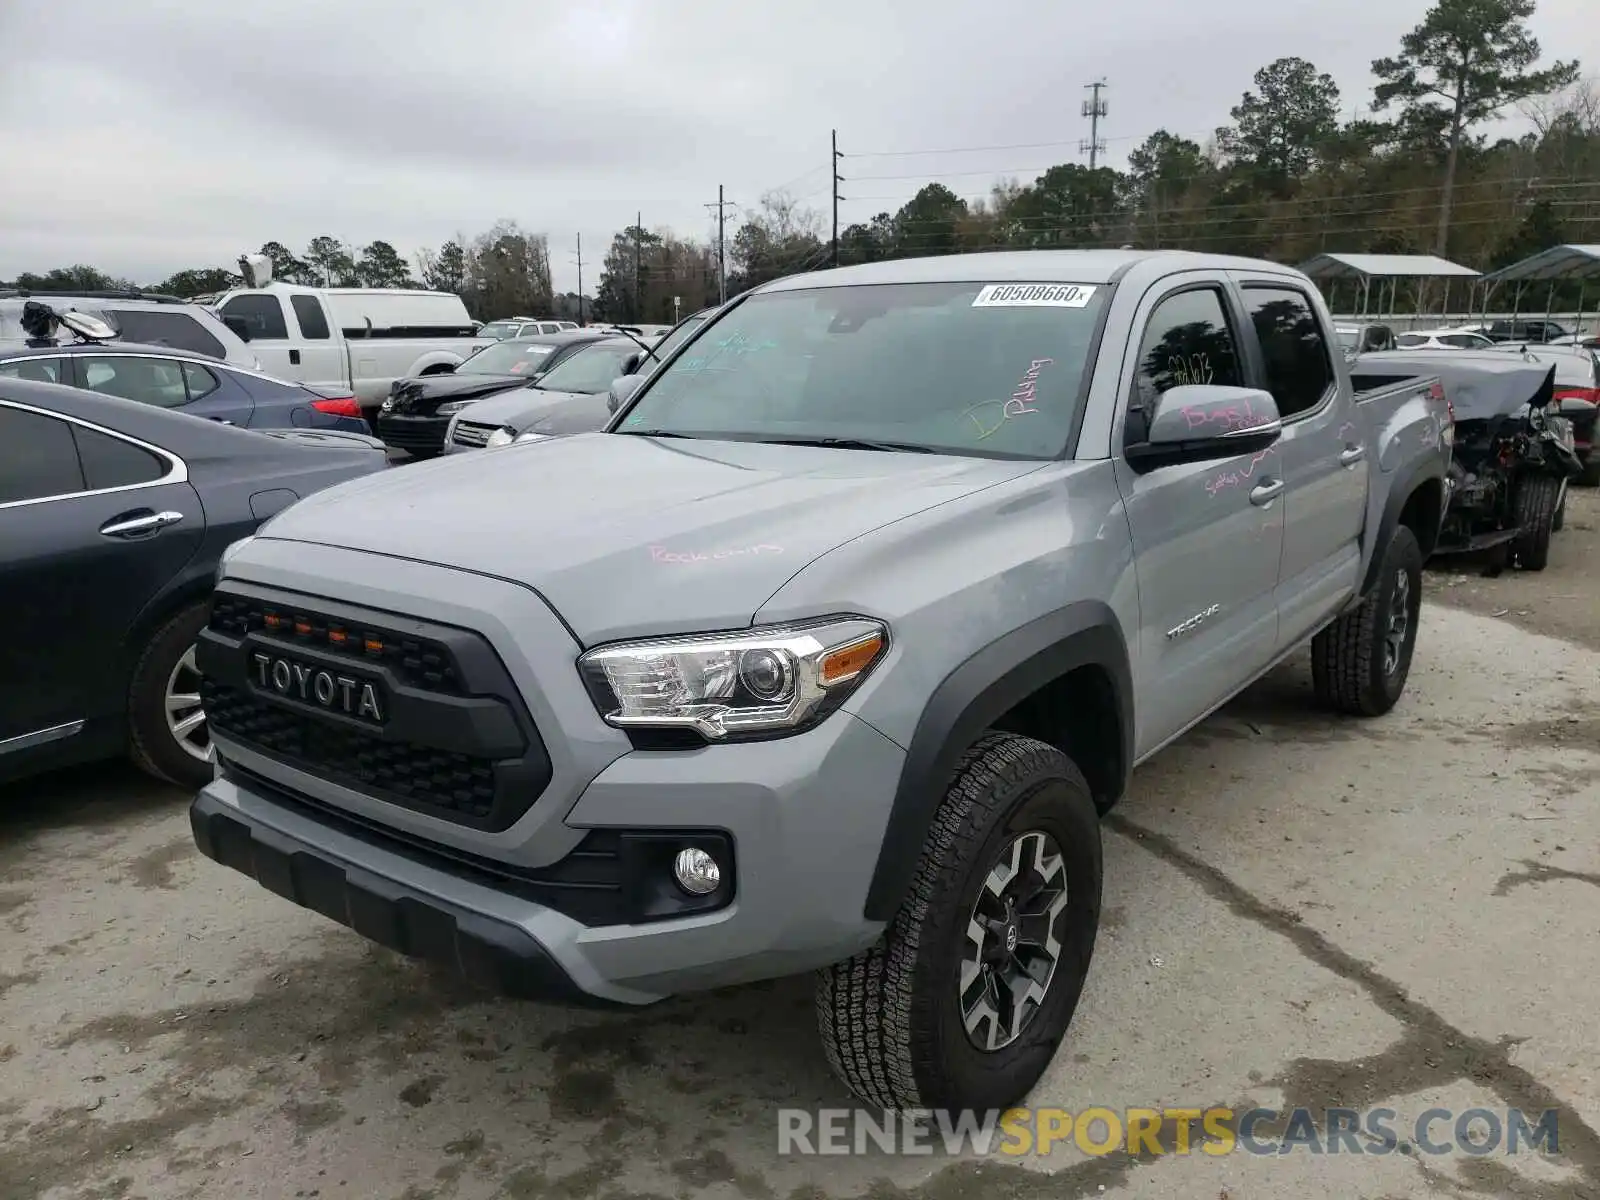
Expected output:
(423, 434)
(455, 739)
(420, 662)
(418, 776)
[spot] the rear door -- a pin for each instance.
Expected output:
(322, 356)
(1321, 457)
(94, 526)
(1207, 536)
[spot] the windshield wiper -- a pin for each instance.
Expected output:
(657, 433)
(842, 443)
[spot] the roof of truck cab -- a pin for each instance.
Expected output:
(1013, 266)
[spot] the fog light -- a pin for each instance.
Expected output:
(696, 872)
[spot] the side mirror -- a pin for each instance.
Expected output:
(622, 391)
(1205, 422)
(239, 326)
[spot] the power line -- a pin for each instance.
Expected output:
(984, 149)
(1094, 109)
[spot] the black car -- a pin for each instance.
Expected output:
(113, 517)
(418, 411)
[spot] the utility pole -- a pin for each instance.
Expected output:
(1094, 109)
(722, 207)
(638, 258)
(833, 166)
(580, 279)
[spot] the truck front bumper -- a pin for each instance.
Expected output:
(803, 818)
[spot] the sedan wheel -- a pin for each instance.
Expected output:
(167, 730)
(186, 720)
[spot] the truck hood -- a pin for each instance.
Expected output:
(515, 409)
(626, 535)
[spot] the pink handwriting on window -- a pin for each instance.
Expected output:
(1022, 396)
(1236, 476)
(661, 554)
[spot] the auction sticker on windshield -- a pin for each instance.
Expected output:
(1033, 295)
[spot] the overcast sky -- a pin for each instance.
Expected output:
(146, 138)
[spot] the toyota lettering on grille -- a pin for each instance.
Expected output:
(316, 685)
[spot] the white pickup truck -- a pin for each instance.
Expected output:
(362, 339)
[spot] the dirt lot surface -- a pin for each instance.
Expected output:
(1299, 911)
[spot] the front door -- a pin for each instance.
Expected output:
(1207, 536)
(1322, 456)
(93, 528)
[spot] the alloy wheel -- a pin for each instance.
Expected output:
(1012, 941)
(186, 720)
(1399, 623)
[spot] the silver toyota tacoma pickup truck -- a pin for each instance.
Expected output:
(829, 651)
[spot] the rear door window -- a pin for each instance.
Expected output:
(154, 381)
(1299, 370)
(201, 381)
(262, 314)
(313, 322)
(110, 462)
(37, 457)
(158, 327)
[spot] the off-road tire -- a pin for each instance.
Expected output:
(150, 743)
(1533, 504)
(1347, 658)
(890, 1017)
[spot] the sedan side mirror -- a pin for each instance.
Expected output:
(1204, 422)
(622, 390)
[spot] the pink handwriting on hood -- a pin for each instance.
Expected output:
(661, 554)
(1022, 396)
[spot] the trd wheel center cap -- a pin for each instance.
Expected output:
(1011, 939)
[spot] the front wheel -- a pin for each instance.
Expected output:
(1533, 504)
(1359, 663)
(964, 1000)
(167, 731)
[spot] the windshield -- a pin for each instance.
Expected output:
(672, 341)
(508, 358)
(498, 329)
(962, 368)
(590, 370)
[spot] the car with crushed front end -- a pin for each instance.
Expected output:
(829, 651)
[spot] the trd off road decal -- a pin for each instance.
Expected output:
(1033, 295)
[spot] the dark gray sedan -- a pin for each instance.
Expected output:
(113, 518)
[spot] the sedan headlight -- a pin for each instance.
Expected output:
(500, 437)
(764, 682)
(451, 406)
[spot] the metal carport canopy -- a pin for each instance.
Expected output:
(1367, 267)
(1558, 262)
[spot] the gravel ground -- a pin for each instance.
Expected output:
(1299, 911)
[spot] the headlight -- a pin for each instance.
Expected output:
(530, 436)
(754, 683)
(500, 437)
(451, 406)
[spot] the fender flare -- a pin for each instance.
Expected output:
(969, 700)
(1399, 493)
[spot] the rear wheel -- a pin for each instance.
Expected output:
(1359, 664)
(167, 731)
(1533, 505)
(965, 999)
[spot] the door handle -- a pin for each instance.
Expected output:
(294, 358)
(1265, 493)
(222, 420)
(1352, 455)
(140, 525)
